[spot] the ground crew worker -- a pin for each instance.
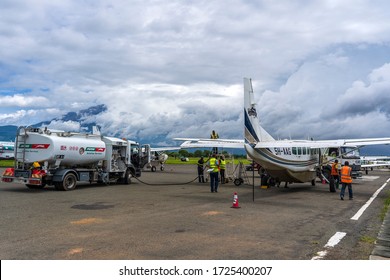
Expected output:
(335, 173)
(214, 166)
(200, 170)
(214, 135)
(36, 170)
(346, 180)
(222, 166)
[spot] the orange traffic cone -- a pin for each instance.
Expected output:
(235, 201)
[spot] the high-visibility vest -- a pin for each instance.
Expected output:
(222, 164)
(334, 169)
(345, 175)
(214, 164)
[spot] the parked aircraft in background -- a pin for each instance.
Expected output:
(7, 150)
(151, 158)
(286, 161)
(371, 162)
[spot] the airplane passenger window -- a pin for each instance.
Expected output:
(294, 150)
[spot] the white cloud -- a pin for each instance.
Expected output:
(29, 117)
(64, 125)
(19, 100)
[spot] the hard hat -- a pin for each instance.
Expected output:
(36, 164)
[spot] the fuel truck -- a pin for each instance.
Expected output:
(63, 159)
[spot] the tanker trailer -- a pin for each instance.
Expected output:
(59, 158)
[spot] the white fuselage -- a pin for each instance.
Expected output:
(286, 164)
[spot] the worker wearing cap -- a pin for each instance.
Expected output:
(346, 181)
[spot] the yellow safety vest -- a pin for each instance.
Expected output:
(222, 164)
(213, 164)
(345, 175)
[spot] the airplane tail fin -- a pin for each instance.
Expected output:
(253, 131)
(96, 130)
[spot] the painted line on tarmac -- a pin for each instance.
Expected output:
(333, 241)
(338, 236)
(368, 203)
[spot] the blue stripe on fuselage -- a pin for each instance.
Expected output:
(281, 161)
(249, 126)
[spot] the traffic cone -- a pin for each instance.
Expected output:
(235, 201)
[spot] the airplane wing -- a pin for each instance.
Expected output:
(324, 143)
(163, 149)
(211, 143)
(368, 165)
(239, 144)
(367, 141)
(299, 143)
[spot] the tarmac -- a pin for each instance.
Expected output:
(381, 250)
(162, 220)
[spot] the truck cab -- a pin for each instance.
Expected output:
(342, 154)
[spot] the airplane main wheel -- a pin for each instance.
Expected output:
(238, 181)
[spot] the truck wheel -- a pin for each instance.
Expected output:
(128, 176)
(69, 183)
(162, 168)
(153, 168)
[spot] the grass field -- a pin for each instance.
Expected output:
(6, 162)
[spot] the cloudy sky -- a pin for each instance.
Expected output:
(175, 68)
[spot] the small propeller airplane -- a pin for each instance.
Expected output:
(7, 150)
(150, 157)
(289, 161)
(153, 157)
(371, 162)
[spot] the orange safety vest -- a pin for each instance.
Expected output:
(334, 169)
(345, 175)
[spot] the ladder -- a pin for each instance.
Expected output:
(20, 147)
